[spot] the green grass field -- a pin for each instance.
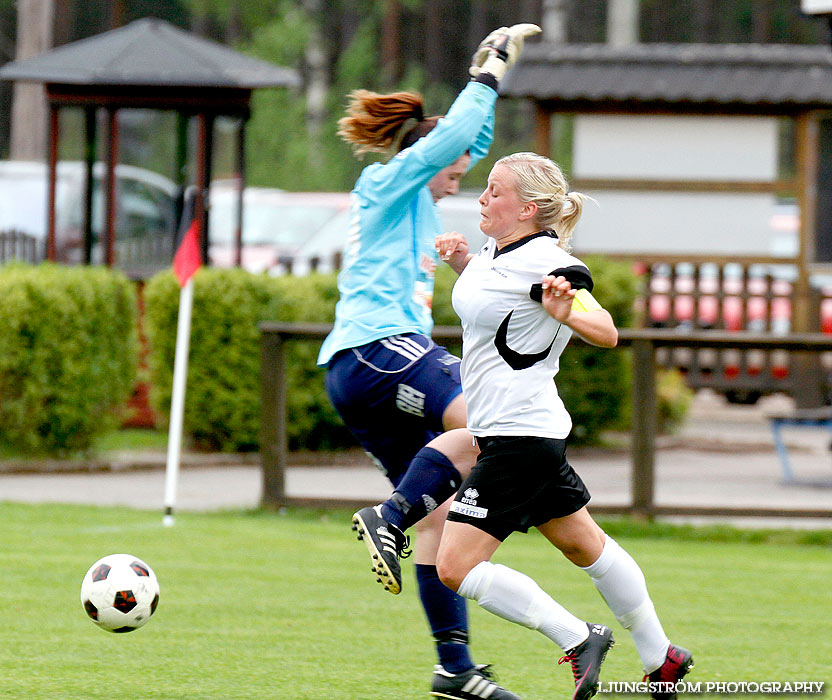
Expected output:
(265, 605)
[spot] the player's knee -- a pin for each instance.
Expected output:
(581, 552)
(449, 571)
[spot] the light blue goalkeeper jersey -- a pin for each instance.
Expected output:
(386, 284)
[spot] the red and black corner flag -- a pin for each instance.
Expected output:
(188, 259)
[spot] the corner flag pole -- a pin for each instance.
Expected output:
(177, 404)
(185, 263)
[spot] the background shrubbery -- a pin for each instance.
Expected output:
(595, 383)
(222, 404)
(68, 355)
(223, 395)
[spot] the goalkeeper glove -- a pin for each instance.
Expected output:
(500, 49)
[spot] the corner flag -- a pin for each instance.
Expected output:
(187, 259)
(186, 262)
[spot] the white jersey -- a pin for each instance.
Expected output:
(511, 345)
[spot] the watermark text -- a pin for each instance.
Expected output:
(714, 687)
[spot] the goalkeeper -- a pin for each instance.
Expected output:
(395, 389)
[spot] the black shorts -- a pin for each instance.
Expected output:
(518, 483)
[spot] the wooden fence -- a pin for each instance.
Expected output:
(643, 343)
(17, 245)
(704, 292)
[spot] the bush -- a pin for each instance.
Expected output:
(313, 422)
(69, 354)
(222, 398)
(673, 397)
(222, 407)
(595, 382)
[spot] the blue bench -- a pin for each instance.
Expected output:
(801, 417)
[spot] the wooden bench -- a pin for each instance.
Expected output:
(800, 417)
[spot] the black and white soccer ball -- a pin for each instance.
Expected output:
(120, 593)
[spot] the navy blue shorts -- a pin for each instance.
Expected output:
(391, 394)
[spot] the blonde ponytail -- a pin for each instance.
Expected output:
(571, 211)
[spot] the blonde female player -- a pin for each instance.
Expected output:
(520, 299)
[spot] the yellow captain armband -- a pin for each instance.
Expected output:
(584, 301)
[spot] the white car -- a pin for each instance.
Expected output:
(145, 215)
(276, 225)
(297, 232)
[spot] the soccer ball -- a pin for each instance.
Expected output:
(120, 593)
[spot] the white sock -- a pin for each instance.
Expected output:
(621, 583)
(517, 598)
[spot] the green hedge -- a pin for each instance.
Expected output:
(595, 383)
(222, 397)
(314, 423)
(68, 356)
(222, 407)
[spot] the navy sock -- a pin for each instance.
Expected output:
(430, 480)
(448, 619)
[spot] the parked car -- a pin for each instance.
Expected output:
(297, 232)
(145, 215)
(458, 213)
(276, 224)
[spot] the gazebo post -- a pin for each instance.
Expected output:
(241, 186)
(201, 177)
(542, 129)
(181, 165)
(203, 180)
(180, 171)
(112, 159)
(54, 136)
(90, 133)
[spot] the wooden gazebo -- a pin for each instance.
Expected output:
(737, 82)
(147, 64)
(700, 79)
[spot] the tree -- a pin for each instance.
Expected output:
(317, 71)
(762, 21)
(622, 22)
(555, 21)
(391, 42)
(28, 125)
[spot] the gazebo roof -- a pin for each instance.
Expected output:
(741, 77)
(149, 53)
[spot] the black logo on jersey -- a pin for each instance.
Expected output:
(518, 360)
